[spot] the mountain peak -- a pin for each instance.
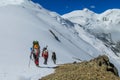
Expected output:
(11, 2)
(86, 9)
(77, 13)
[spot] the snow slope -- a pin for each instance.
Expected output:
(9, 2)
(106, 22)
(22, 23)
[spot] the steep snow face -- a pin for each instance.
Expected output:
(10, 2)
(107, 22)
(21, 24)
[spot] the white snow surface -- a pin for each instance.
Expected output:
(23, 23)
(10, 2)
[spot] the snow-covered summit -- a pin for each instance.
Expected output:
(106, 22)
(77, 13)
(80, 16)
(11, 2)
(111, 16)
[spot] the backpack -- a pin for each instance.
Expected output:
(36, 45)
(53, 55)
(36, 48)
(35, 42)
(45, 54)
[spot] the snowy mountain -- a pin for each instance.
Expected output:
(22, 21)
(106, 22)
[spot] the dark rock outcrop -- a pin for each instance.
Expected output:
(99, 68)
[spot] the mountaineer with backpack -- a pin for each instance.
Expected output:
(45, 55)
(54, 57)
(35, 51)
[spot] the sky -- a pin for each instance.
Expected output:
(66, 6)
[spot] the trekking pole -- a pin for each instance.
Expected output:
(29, 63)
(30, 58)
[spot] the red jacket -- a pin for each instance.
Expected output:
(45, 54)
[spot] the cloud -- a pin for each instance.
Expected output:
(92, 6)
